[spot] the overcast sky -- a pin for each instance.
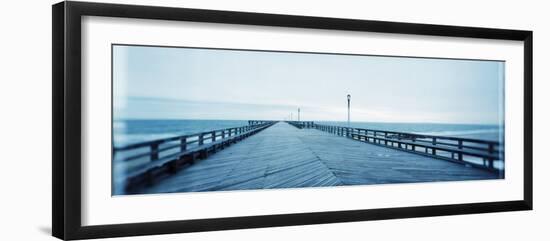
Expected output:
(184, 83)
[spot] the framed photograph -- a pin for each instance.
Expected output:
(169, 120)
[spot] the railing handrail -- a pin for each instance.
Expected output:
(175, 138)
(480, 141)
(185, 140)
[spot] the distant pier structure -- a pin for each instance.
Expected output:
(280, 154)
(260, 122)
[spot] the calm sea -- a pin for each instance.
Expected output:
(133, 131)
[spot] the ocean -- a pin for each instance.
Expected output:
(133, 131)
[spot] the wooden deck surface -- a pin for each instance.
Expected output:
(283, 156)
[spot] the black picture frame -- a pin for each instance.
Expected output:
(66, 158)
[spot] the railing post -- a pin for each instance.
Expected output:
(490, 159)
(201, 139)
(433, 143)
(154, 151)
(183, 143)
(223, 134)
(213, 136)
(399, 140)
(386, 138)
(460, 148)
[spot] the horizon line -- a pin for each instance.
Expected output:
(360, 121)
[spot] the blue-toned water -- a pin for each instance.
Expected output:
(133, 131)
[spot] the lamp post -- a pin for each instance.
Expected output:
(349, 98)
(298, 114)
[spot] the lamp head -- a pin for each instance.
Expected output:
(349, 97)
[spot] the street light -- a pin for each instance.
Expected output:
(298, 114)
(349, 98)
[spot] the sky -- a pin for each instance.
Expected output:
(193, 83)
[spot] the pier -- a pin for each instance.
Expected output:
(271, 154)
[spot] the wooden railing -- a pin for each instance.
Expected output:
(474, 152)
(142, 163)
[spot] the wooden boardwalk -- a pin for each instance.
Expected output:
(283, 156)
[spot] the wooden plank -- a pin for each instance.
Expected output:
(283, 156)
